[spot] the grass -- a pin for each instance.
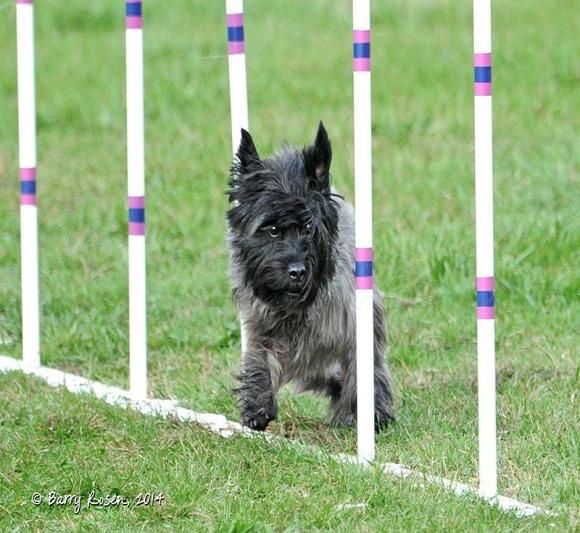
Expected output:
(299, 72)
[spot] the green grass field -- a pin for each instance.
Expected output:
(299, 57)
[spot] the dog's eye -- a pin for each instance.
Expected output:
(274, 232)
(308, 227)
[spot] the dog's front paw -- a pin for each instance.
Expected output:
(258, 419)
(384, 410)
(384, 416)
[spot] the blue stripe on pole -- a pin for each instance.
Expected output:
(363, 269)
(28, 187)
(485, 298)
(235, 34)
(482, 74)
(361, 50)
(136, 214)
(133, 10)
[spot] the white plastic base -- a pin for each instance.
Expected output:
(220, 425)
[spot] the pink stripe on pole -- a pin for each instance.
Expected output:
(134, 23)
(28, 199)
(24, 1)
(361, 36)
(485, 313)
(482, 89)
(485, 284)
(482, 60)
(235, 20)
(364, 283)
(363, 254)
(136, 228)
(236, 47)
(137, 201)
(361, 64)
(28, 173)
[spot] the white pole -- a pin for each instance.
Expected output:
(28, 210)
(485, 283)
(238, 86)
(136, 191)
(364, 231)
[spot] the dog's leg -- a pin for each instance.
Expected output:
(331, 386)
(343, 401)
(384, 412)
(256, 394)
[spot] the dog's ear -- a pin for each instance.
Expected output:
(317, 158)
(247, 156)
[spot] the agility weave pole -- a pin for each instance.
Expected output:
(485, 281)
(223, 427)
(28, 209)
(136, 200)
(365, 390)
(238, 88)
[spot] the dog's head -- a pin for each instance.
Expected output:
(283, 221)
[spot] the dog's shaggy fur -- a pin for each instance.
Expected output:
(291, 241)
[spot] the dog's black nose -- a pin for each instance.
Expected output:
(297, 273)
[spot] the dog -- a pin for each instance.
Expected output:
(291, 246)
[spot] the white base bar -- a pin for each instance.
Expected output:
(121, 398)
(220, 425)
(506, 504)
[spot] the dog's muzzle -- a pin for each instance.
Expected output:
(296, 277)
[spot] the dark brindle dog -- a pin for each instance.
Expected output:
(291, 241)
